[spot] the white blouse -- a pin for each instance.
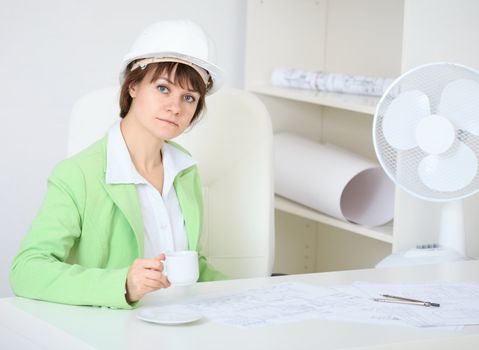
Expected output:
(163, 220)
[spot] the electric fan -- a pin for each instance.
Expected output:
(426, 137)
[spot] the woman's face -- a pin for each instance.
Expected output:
(162, 107)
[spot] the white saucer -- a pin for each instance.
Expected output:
(170, 314)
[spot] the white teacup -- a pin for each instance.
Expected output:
(181, 267)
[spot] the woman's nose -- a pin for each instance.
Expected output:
(174, 105)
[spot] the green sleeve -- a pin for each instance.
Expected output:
(209, 273)
(40, 269)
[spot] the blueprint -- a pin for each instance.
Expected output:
(292, 302)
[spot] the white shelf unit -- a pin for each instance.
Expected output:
(382, 233)
(380, 38)
(354, 103)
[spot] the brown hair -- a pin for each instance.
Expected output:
(186, 76)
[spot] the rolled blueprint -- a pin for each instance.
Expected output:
(332, 180)
(332, 82)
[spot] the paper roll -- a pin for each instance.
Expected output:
(332, 180)
(331, 82)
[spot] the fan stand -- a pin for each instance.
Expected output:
(451, 229)
(451, 247)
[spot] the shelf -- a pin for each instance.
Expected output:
(380, 233)
(350, 102)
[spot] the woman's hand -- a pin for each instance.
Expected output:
(145, 276)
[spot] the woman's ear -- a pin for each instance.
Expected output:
(132, 89)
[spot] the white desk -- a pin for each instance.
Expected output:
(28, 324)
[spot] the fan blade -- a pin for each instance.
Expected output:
(402, 116)
(460, 104)
(449, 173)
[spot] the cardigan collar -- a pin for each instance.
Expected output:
(121, 170)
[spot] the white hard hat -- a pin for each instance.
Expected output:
(182, 41)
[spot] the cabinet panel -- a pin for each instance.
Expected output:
(283, 33)
(301, 118)
(296, 242)
(441, 30)
(343, 250)
(471, 224)
(305, 246)
(364, 37)
(349, 130)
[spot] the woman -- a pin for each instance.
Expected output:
(114, 209)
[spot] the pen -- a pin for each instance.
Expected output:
(400, 300)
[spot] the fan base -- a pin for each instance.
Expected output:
(413, 257)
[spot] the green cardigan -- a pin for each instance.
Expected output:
(87, 234)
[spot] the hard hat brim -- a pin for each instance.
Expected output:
(215, 72)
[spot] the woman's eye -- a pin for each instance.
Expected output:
(162, 89)
(190, 99)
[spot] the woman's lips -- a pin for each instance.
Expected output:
(167, 121)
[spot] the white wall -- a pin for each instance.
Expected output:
(54, 51)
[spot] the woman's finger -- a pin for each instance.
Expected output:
(154, 264)
(158, 277)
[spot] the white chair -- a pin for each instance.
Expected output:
(233, 146)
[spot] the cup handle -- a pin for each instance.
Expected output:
(164, 272)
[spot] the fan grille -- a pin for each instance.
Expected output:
(402, 165)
